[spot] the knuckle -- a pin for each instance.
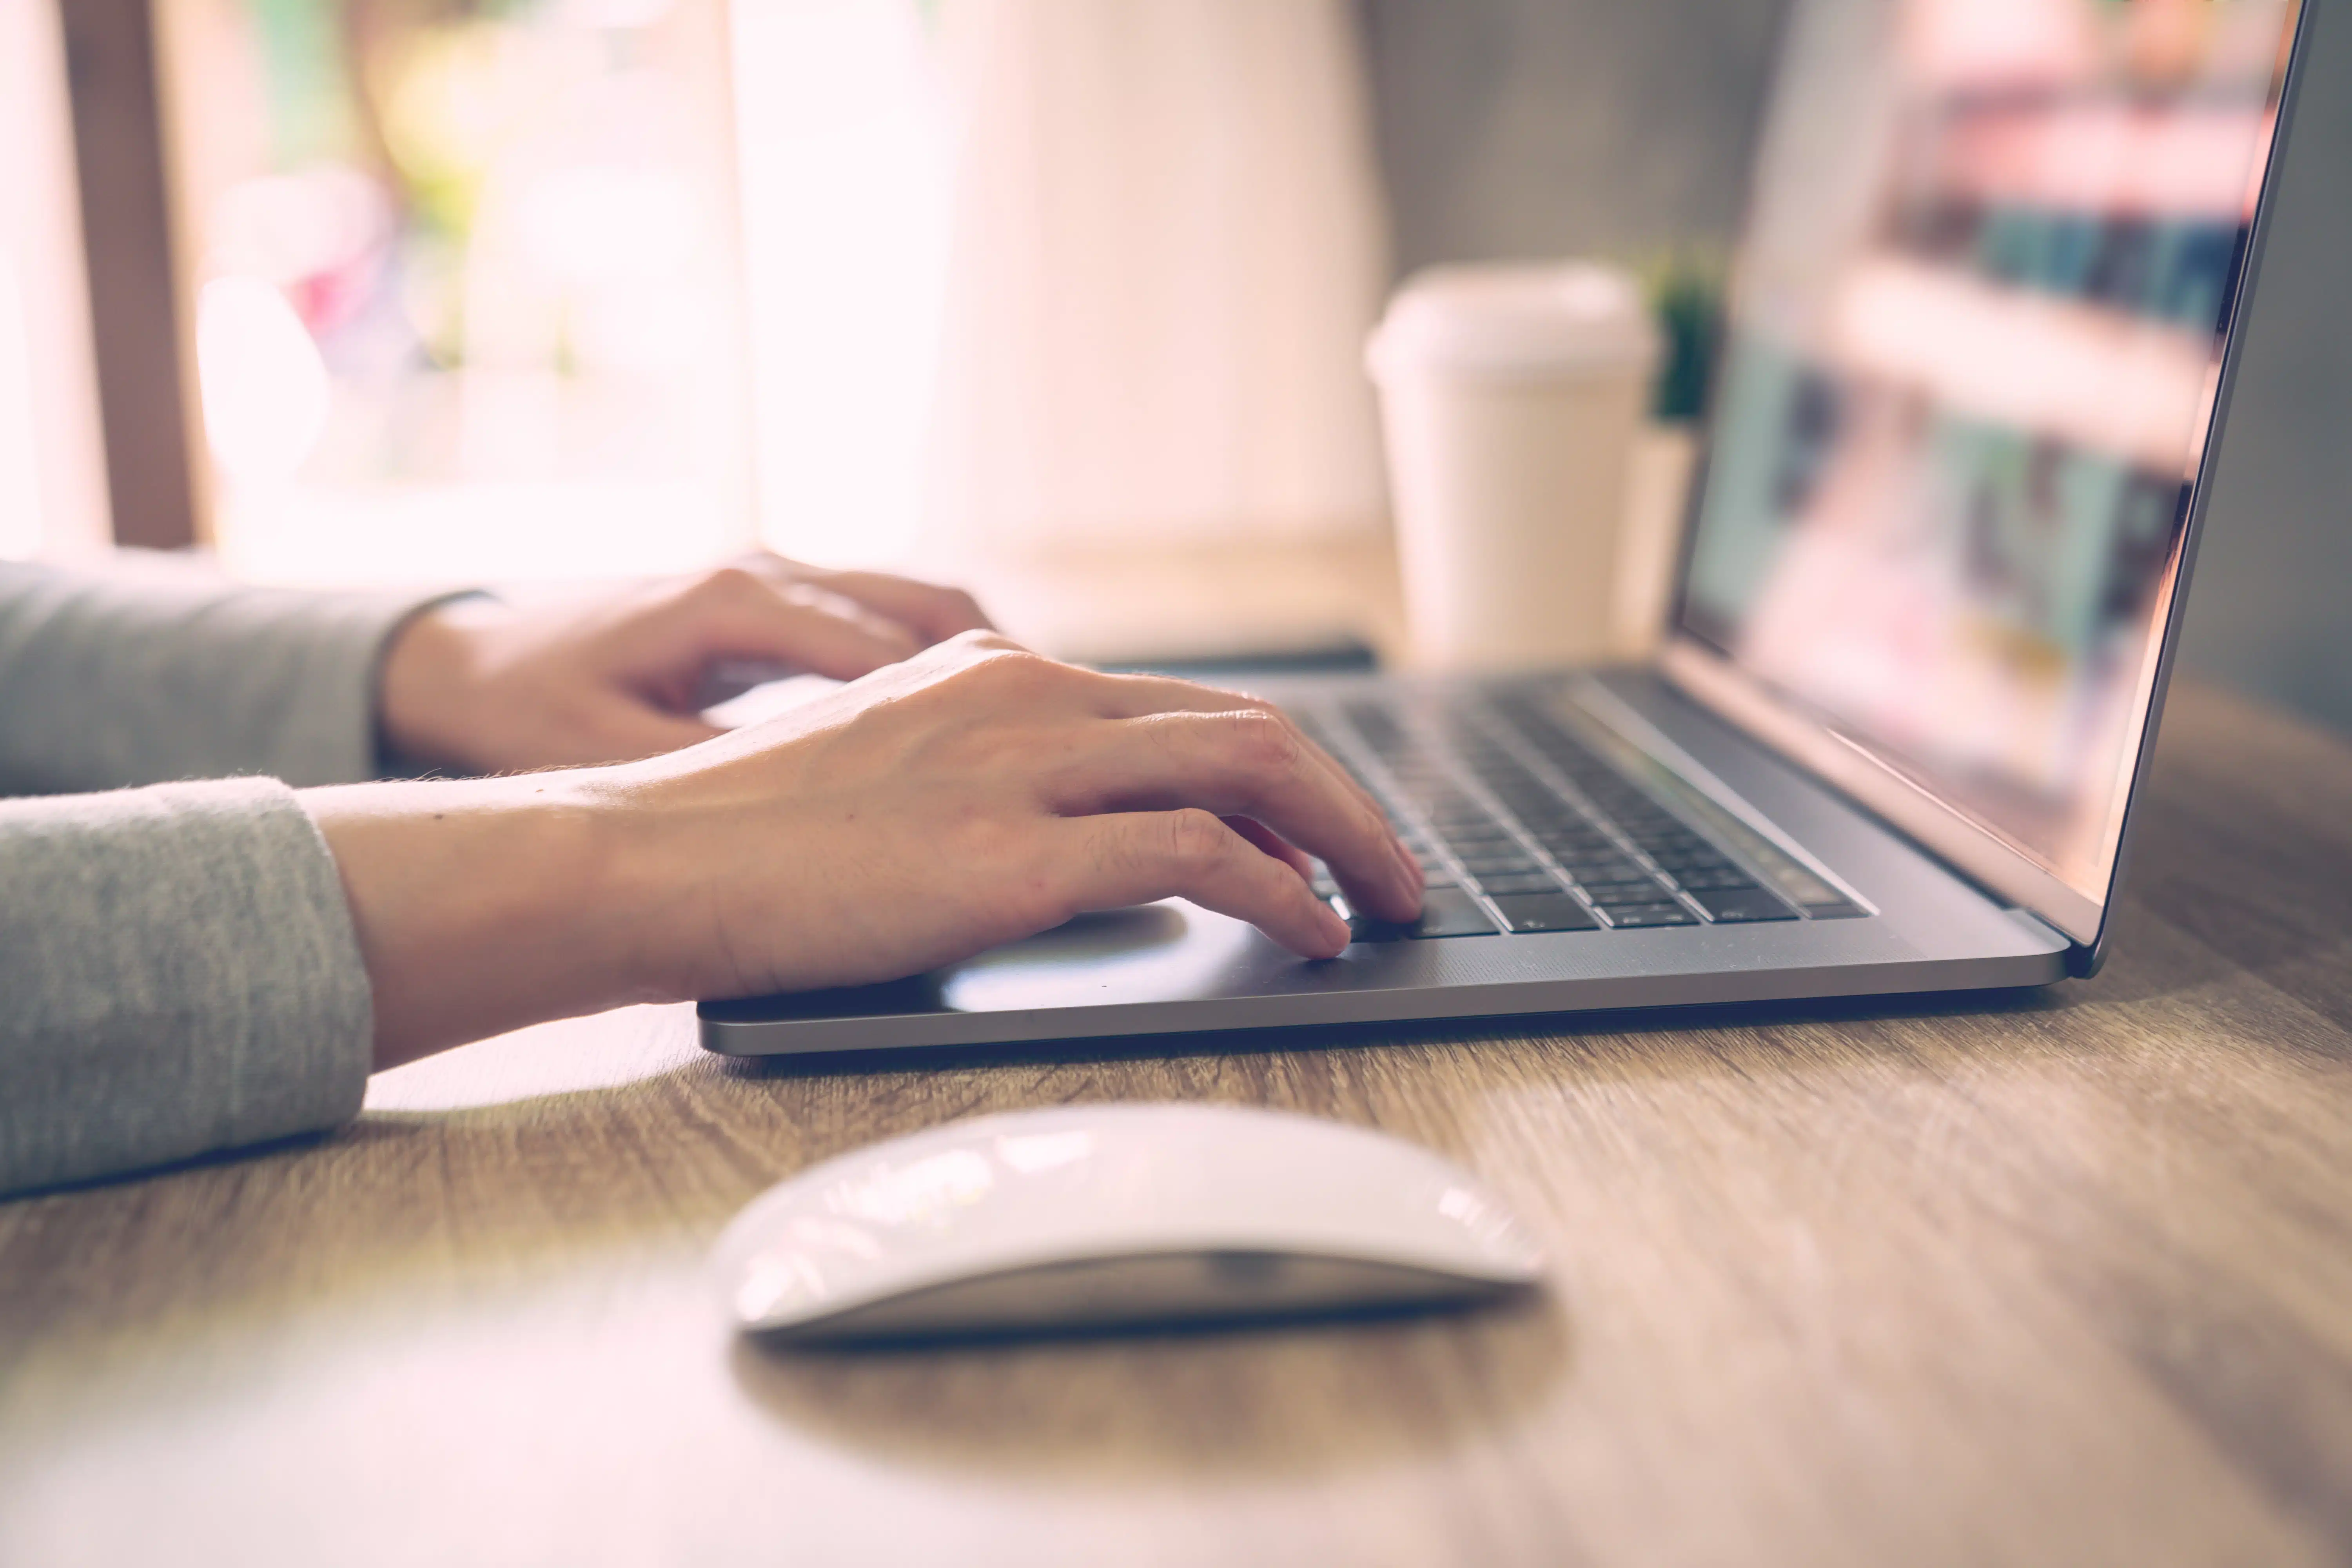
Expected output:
(732, 583)
(763, 564)
(1195, 837)
(1264, 742)
(980, 646)
(1244, 703)
(1012, 667)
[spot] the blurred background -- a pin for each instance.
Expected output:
(1065, 298)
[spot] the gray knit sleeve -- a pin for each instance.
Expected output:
(159, 670)
(180, 975)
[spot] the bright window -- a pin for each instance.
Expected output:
(467, 285)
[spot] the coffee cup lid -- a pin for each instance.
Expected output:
(1515, 322)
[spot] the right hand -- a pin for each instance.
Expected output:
(979, 793)
(973, 794)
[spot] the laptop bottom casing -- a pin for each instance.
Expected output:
(1173, 968)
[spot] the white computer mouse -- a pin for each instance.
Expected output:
(1097, 1215)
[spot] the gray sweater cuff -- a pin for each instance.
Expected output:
(180, 975)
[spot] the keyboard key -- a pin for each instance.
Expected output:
(1462, 845)
(1649, 915)
(1517, 882)
(1482, 864)
(1545, 912)
(1690, 859)
(1625, 895)
(1738, 906)
(1836, 909)
(1593, 859)
(1624, 874)
(1729, 879)
(1421, 773)
(1445, 912)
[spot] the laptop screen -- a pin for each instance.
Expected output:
(1973, 347)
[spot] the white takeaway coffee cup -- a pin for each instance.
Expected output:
(1511, 398)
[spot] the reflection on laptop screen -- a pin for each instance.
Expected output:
(1974, 344)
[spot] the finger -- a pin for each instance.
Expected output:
(736, 615)
(1251, 763)
(1140, 694)
(934, 612)
(1139, 857)
(884, 631)
(1274, 843)
(1134, 695)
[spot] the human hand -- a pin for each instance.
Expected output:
(969, 796)
(480, 686)
(979, 793)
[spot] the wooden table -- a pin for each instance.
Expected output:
(2063, 1277)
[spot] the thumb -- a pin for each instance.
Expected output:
(627, 726)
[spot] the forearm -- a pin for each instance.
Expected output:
(158, 670)
(484, 905)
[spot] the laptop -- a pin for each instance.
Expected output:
(1978, 346)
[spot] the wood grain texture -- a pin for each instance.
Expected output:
(2061, 1277)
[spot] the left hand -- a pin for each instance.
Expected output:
(483, 687)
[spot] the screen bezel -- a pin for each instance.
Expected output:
(1719, 684)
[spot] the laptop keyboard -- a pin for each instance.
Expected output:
(1521, 826)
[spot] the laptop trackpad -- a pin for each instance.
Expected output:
(1150, 953)
(1167, 951)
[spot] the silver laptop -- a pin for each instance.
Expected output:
(1981, 338)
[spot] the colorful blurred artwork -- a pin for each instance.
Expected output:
(465, 283)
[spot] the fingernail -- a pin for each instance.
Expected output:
(1335, 929)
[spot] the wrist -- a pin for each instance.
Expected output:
(660, 875)
(487, 905)
(425, 683)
